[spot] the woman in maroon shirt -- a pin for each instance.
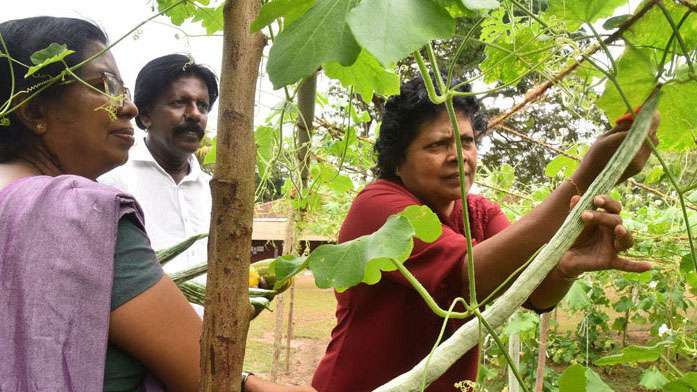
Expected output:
(383, 330)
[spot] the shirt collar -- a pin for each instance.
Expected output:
(140, 152)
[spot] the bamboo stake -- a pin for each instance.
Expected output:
(542, 352)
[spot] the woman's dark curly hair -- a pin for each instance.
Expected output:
(404, 115)
(23, 37)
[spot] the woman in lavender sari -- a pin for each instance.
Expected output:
(84, 303)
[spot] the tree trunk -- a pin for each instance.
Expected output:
(228, 311)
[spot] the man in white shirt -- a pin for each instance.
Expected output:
(173, 95)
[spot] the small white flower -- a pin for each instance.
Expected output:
(664, 330)
(653, 285)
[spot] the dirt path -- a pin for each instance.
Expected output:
(306, 354)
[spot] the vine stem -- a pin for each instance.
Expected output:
(465, 205)
(467, 336)
(502, 347)
(437, 310)
(678, 37)
(452, 116)
(440, 336)
(428, 82)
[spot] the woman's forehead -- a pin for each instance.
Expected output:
(441, 126)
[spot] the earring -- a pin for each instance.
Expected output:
(40, 127)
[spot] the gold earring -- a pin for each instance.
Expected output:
(40, 127)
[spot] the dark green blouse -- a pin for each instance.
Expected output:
(136, 269)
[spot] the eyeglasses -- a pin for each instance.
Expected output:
(112, 85)
(109, 84)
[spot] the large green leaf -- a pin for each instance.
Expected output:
(53, 53)
(345, 265)
(577, 378)
(573, 13)
(366, 76)
(392, 29)
(678, 128)
(631, 354)
(363, 259)
(320, 36)
(636, 74)
(290, 10)
(654, 30)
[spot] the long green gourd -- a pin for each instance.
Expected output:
(467, 336)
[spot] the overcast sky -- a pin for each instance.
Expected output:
(154, 39)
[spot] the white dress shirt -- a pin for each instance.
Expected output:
(173, 212)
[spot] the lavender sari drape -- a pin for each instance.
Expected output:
(57, 242)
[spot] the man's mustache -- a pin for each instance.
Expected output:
(189, 127)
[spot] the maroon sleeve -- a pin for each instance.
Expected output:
(496, 219)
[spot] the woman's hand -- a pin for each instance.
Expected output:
(606, 145)
(598, 245)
